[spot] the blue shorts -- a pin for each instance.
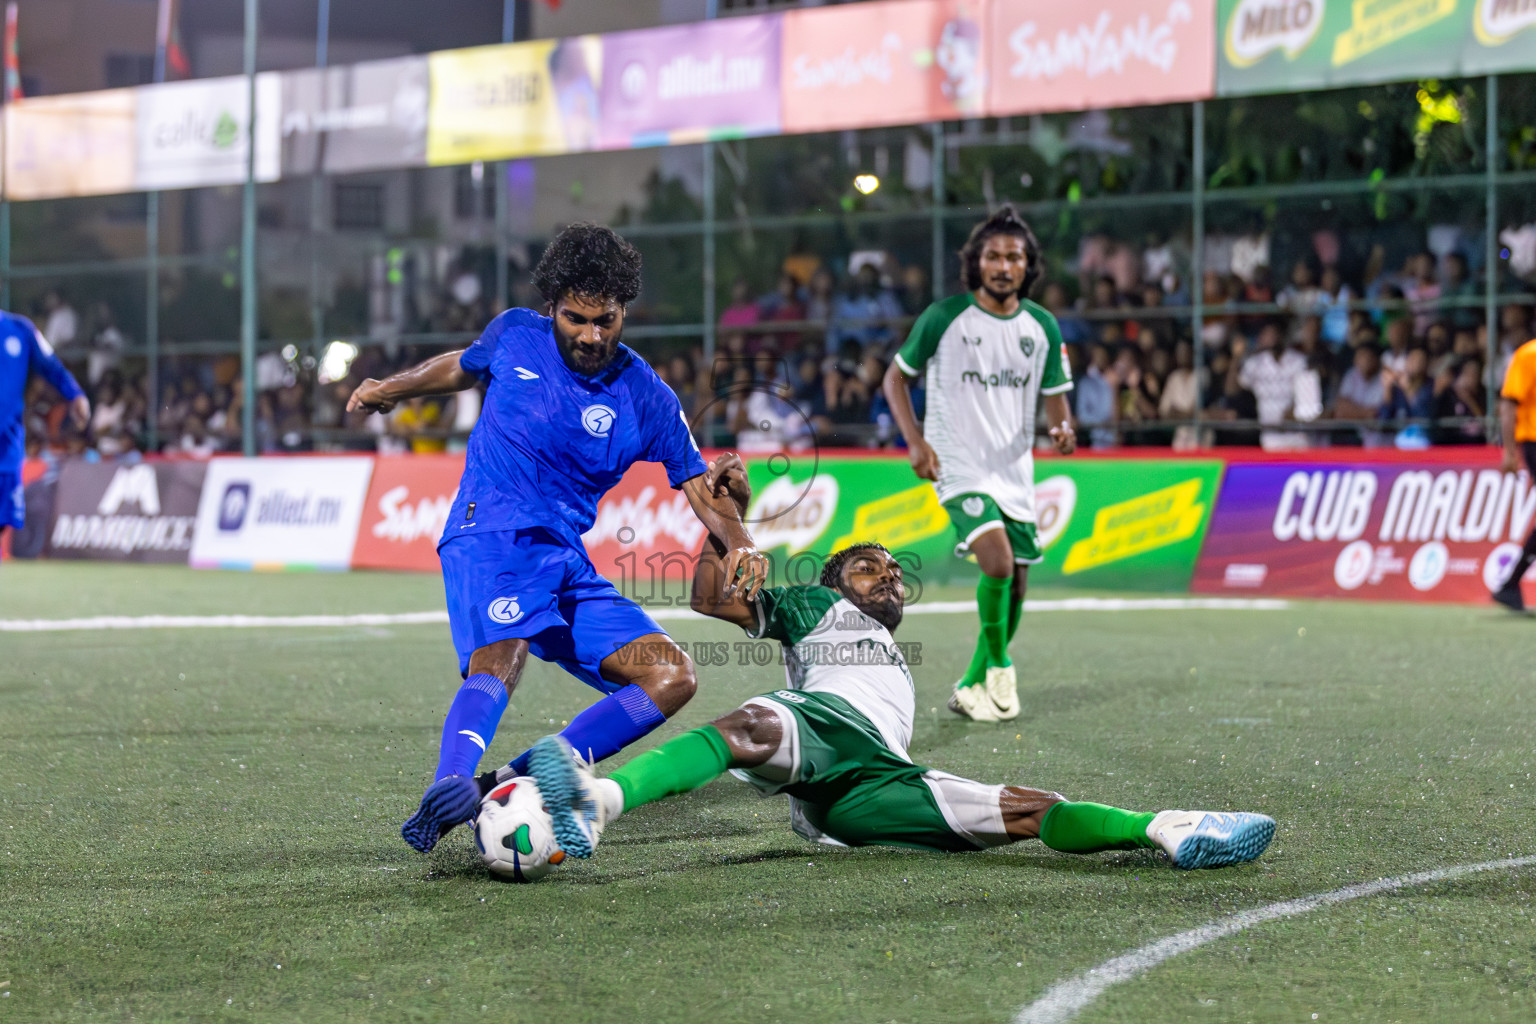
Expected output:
(531, 585)
(13, 502)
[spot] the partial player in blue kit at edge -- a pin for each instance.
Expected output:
(568, 409)
(23, 352)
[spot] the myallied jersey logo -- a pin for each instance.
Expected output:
(13, 347)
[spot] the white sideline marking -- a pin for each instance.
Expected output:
(1062, 1001)
(1071, 604)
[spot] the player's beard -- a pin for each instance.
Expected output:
(882, 606)
(1000, 292)
(587, 360)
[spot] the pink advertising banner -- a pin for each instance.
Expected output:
(1426, 531)
(710, 80)
(883, 63)
(1105, 53)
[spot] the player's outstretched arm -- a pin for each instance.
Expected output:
(725, 483)
(897, 387)
(719, 497)
(440, 375)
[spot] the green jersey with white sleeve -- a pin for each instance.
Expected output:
(832, 647)
(986, 374)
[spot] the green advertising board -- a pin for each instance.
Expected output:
(1283, 45)
(1122, 524)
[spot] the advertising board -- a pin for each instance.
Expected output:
(358, 118)
(519, 99)
(122, 513)
(883, 63)
(295, 513)
(194, 134)
(688, 83)
(406, 510)
(1126, 524)
(1401, 531)
(75, 145)
(1113, 53)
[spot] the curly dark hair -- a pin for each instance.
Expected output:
(1006, 221)
(832, 572)
(591, 261)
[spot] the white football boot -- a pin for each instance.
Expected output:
(973, 702)
(1003, 688)
(1211, 839)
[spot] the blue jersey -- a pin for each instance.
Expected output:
(551, 442)
(23, 352)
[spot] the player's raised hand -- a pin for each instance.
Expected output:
(746, 570)
(80, 411)
(1064, 438)
(727, 477)
(925, 461)
(369, 395)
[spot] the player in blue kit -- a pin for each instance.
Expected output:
(23, 352)
(567, 410)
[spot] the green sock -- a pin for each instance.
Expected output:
(1015, 613)
(1089, 828)
(678, 765)
(992, 598)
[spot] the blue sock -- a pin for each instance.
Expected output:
(471, 724)
(607, 727)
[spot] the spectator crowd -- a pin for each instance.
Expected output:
(1318, 357)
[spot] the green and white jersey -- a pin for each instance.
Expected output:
(986, 374)
(832, 647)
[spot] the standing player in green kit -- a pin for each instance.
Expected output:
(991, 356)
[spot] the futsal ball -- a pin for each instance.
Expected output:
(514, 834)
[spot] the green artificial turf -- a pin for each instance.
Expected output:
(182, 811)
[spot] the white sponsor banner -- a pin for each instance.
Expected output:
(280, 513)
(193, 134)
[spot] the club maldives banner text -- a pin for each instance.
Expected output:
(1431, 531)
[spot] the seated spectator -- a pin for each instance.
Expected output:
(195, 440)
(1410, 395)
(1271, 374)
(106, 345)
(1301, 295)
(1334, 298)
(1181, 397)
(1458, 290)
(915, 295)
(1361, 392)
(683, 380)
(864, 313)
(1399, 338)
(1097, 407)
(784, 306)
(1074, 329)
(1437, 342)
(413, 418)
(1217, 328)
(742, 311)
(1459, 393)
(1423, 292)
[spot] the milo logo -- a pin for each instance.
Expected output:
(1497, 20)
(1257, 27)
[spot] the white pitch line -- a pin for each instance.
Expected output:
(1063, 1000)
(1071, 604)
